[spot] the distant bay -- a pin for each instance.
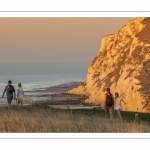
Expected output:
(41, 75)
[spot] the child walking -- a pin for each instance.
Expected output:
(118, 105)
(20, 94)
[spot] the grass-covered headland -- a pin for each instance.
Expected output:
(43, 119)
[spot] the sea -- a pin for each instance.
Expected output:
(41, 75)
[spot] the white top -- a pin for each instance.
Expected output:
(20, 92)
(118, 101)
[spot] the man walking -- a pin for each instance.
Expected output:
(109, 103)
(10, 92)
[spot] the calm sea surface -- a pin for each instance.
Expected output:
(34, 76)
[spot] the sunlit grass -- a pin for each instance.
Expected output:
(39, 119)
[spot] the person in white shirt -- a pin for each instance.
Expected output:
(118, 105)
(20, 94)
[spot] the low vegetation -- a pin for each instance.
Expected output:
(43, 119)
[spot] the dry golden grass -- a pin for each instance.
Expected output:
(31, 119)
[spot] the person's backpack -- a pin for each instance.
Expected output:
(10, 89)
(109, 100)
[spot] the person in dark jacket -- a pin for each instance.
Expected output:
(10, 92)
(109, 103)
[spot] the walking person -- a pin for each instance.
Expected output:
(20, 94)
(109, 103)
(10, 92)
(118, 105)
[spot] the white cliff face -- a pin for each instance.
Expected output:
(123, 65)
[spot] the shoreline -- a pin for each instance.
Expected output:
(56, 95)
(56, 89)
(59, 93)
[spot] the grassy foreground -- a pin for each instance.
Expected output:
(43, 119)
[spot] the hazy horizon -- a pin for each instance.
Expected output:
(54, 40)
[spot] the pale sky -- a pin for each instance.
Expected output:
(54, 40)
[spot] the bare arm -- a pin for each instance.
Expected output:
(123, 101)
(3, 94)
(17, 93)
(14, 95)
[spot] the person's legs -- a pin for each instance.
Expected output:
(18, 102)
(106, 112)
(110, 112)
(119, 114)
(9, 100)
(22, 103)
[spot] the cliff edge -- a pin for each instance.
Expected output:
(123, 65)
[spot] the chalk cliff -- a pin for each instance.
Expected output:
(123, 65)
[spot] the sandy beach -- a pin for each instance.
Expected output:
(57, 95)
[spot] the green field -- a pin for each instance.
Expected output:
(43, 119)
